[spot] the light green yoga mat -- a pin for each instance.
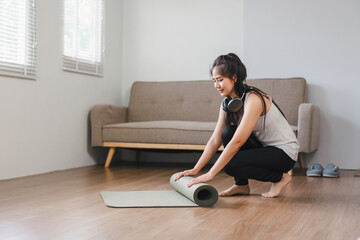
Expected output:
(201, 194)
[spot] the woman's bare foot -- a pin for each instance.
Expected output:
(276, 188)
(235, 190)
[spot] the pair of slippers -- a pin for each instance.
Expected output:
(317, 170)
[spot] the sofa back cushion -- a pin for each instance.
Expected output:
(183, 100)
(200, 101)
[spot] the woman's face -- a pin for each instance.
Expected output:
(223, 84)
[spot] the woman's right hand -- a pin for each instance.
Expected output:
(189, 172)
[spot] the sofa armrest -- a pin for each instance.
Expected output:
(101, 115)
(308, 127)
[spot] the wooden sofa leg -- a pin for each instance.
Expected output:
(110, 156)
(301, 162)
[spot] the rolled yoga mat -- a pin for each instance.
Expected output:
(201, 194)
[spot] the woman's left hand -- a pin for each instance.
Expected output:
(201, 179)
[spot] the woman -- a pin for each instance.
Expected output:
(259, 142)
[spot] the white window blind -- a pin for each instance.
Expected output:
(83, 36)
(18, 38)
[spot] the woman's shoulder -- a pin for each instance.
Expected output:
(256, 99)
(252, 100)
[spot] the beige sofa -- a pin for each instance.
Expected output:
(183, 115)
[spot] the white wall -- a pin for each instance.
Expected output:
(43, 123)
(177, 40)
(318, 40)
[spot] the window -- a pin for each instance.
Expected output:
(18, 38)
(83, 36)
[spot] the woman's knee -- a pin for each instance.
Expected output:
(227, 134)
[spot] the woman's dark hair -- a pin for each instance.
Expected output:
(229, 66)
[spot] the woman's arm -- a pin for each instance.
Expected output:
(252, 112)
(211, 147)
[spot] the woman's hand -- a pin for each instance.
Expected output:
(201, 179)
(189, 172)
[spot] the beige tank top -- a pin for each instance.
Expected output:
(274, 130)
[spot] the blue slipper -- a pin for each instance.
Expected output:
(316, 170)
(331, 171)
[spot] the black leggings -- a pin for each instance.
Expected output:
(266, 164)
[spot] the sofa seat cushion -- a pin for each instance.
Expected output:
(165, 132)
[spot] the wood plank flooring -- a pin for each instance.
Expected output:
(67, 205)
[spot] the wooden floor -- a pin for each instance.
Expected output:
(67, 205)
